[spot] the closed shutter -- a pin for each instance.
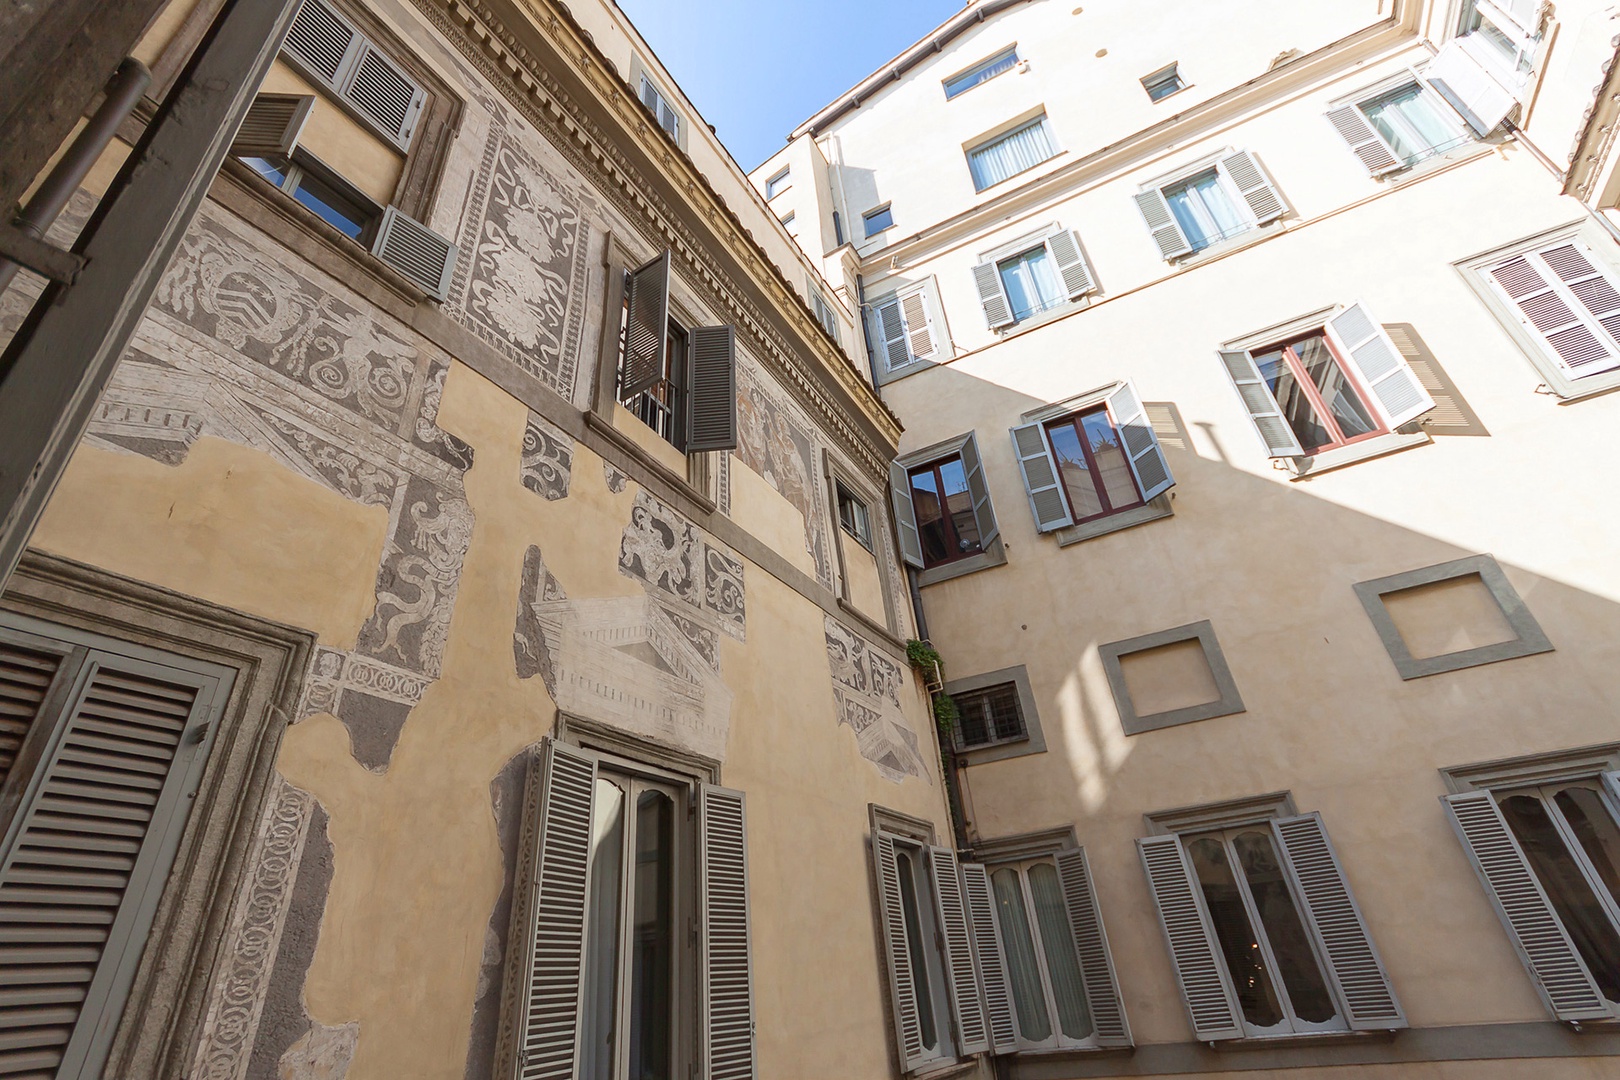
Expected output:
(26, 677)
(272, 125)
(1526, 913)
(1162, 224)
(1141, 444)
(1041, 479)
(323, 43)
(968, 1008)
(712, 393)
(1264, 201)
(889, 335)
(1364, 141)
(647, 337)
(1335, 921)
(992, 296)
(1397, 394)
(998, 1007)
(1262, 406)
(905, 515)
(728, 994)
(921, 335)
(902, 984)
(984, 515)
(416, 251)
(1205, 988)
(382, 93)
(1460, 78)
(1091, 942)
(1071, 263)
(1566, 297)
(1451, 415)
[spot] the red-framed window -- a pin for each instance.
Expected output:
(1324, 404)
(946, 525)
(1092, 462)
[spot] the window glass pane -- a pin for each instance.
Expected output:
(959, 505)
(914, 945)
(878, 220)
(1410, 123)
(1239, 945)
(1203, 210)
(1113, 467)
(653, 940)
(1010, 154)
(932, 529)
(1084, 498)
(1352, 416)
(1291, 398)
(339, 212)
(1029, 1001)
(1290, 946)
(1599, 836)
(1031, 282)
(980, 73)
(273, 171)
(600, 977)
(1062, 962)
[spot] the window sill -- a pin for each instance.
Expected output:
(984, 560)
(1306, 1038)
(1460, 155)
(1051, 314)
(1226, 247)
(872, 625)
(1153, 511)
(1306, 467)
(896, 374)
(1569, 391)
(596, 422)
(947, 1071)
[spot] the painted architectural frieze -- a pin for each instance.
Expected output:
(675, 559)
(867, 686)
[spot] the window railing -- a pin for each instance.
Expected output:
(659, 407)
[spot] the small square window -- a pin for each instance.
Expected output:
(779, 183)
(854, 516)
(1162, 83)
(988, 716)
(661, 108)
(878, 220)
(787, 222)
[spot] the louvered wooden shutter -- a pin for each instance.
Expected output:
(905, 515)
(1205, 987)
(1162, 224)
(1364, 141)
(323, 43)
(548, 908)
(728, 973)
(1458, 77)
(983, 513)
(1526, 913)
(921, 335)
(889, 335)
(1566, 299)
(1141, 444)
(1091, 942)
(272, 125)
(1070, 259)
(1269, 422)
(381, 91)
(992, 296)
(1244, 170)
(711, 392)
(1041, 479)
(416, 251)
(26, 676)
(998, 1007)
(968, 1009)
(1396, 392)
(1335, 921)
(1451, 415)
(902, 984)
(647, 336)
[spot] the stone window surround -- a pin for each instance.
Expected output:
(835, 473)
(1033, 740)
(1225, 814)
(994, 555)
(1530, 639)
(1021, 846)
(1550, 767)
(1229, 703)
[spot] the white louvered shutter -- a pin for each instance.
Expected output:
(1364, 140)
(905, 515)
(983, 513)
(1141, 444)
(382, 93)
(1070, 259)
(26, 677)
(921, 335)
(711, 394)
(272, 125)
(1261, 195)
(647, 334)
(727, 962)
(992, 296)
(1041, 480)
(1526, 913)
(902, 984)
(416, 251)
(1091, 942)
(998, 1007)
(1465, 83)
(323, 43)
(1269, 422)
(1335, 921)
(1162, 224)
(1568, 299)
(889, 335)
(1397, 393)
(1205, 987)
(967, 1007)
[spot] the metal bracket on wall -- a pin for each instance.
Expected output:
(42, 258)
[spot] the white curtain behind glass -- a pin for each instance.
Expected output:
(1011, 154)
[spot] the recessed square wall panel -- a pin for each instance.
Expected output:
(1448, 616)
(1170, 677)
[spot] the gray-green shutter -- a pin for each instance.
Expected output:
(889, 334)
(1041, 479)
(984, 515)
(646, 338)
(1396, 392)
(998, 310)
(711, 390)
(1245, 171)
(918, 307)
(1141, 443)
(1269, 422)
(998, 1007)
(381, 92)
(322, 43)
(1366, 143)
(1103, 998)
(902, 980)
(1335, 921)
(727, 962)
(1205, 988)
(1071, 263)
(905, 515)
(272, 125)
(416, 251)
(1162, 224)
(972, 1031)
(1527, 915)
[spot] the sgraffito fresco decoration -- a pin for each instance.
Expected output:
(776, 443)
(867, 685)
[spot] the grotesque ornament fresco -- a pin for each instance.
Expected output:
(867, 686)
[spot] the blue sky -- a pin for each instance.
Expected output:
(756, 70)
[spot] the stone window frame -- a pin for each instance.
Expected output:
(1530, 640)
(1035, 844)
(1033, 740)
(1524, 770)
(835, 472)
(1224, 814)
(994, 555)
(1229, 703)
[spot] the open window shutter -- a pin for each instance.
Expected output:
(1091, 942)
(382, 93)
(1205, 988)
(1141, 444)
(416, 251)
(272, 125)
(1162, 224)
(1526, 913)
(921, 336)
(728, 995)
(26, 676)
(983, 513)
(323, 43)
(712, 393)
(647, 337)
(1397, 393)
(998, 1007)
(1468, 87)
(1041, 479)
(889, 334)
(992, 297)
(902, 985)
(972, 1031)
(1335, 920)
(905, 515)
(1257, 190)
(1071, 263)
(1268, 419)
(1545, 312)
(1367, 144)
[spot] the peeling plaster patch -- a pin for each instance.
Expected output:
(324, 1053)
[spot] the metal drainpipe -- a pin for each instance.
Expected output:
(124, 92)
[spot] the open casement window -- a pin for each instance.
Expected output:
(1568, 300)
(272, 125)
(1397, 128)
(1549, 858)
(905, 329)
(1264, 932)
(665, 113)
(1015, 285)
(681, 383)
(1469, 75)
(1218, 202)
(326, 47)
(942, 508)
